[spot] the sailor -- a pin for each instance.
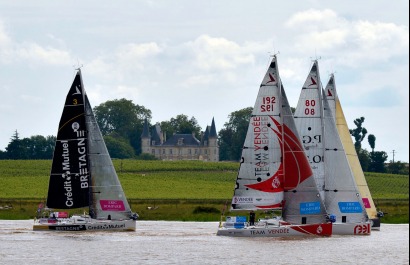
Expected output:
(252, 218)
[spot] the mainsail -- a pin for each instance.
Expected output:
(308, 120)
(349, 148)
(259, 183)
(70, 173)
(82, 173)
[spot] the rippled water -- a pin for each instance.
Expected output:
(159, 242)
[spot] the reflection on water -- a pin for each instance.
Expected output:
(158, 242)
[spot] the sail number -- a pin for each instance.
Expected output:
(267, 104)
(310, 107)
(75, 101)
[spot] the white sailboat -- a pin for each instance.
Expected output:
(274, 173)
(343, 130)
(324, 149)
(82, 174)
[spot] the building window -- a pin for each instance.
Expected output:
(180, 141)
(163, 151)
(153, 151)
(189, 151)
(170, 151)
(196, 151)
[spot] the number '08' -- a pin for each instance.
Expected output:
(310, 104)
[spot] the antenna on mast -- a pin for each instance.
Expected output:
(78, 66)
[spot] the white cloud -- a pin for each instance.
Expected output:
(218, 53)
(34, 53)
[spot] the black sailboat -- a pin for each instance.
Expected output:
(82, 174)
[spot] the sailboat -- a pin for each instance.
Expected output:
(353, 159)
(274, 173)
(335, 180)
(82, 174)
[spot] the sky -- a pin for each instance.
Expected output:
(203, 59)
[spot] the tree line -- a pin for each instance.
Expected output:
(121, 123)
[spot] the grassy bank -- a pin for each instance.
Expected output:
(170, 190)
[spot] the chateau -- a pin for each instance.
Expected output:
(180, 146)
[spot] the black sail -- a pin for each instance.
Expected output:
(69, 178)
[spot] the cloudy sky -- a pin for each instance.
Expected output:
(203, 58)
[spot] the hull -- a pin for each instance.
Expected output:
(360, 229)
(91, 225)
(375, 224)
(278, 231)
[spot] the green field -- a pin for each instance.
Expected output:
(172, 190)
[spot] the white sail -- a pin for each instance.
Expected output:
(350, 151)
(259, 183)
(342, 197)
(308, 120)
(107, 195)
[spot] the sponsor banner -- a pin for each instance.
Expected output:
(366, 203)
(112, 205)
(61, 214)
(350, 207)
(310, 208)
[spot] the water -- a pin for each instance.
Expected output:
(159, 242)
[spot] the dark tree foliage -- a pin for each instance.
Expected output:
(364, 159)
(359, 133)
(122, 119)
(372, 141)
(232, 136)
(377, 162)
(181, 124)
(121, 116)
(397, 168)
(35, 147)
(119, 147)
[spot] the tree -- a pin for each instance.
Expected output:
(398, 168)
(377, 162)
(181, 124)
(40, 147)
(122, 119)
(359, 133)
(17, 148)
(119, 148)
(364, 159)
(372, 141)
(120, 116)
(232, 136)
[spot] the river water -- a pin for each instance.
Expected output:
(160, 242)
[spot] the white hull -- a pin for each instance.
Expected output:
(89, 225)
(352, 229)
(278, 231)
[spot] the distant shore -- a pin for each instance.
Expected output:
(203, 210)
(173, 190)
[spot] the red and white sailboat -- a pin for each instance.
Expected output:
(274, 172)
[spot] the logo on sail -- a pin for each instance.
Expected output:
(242, 200)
